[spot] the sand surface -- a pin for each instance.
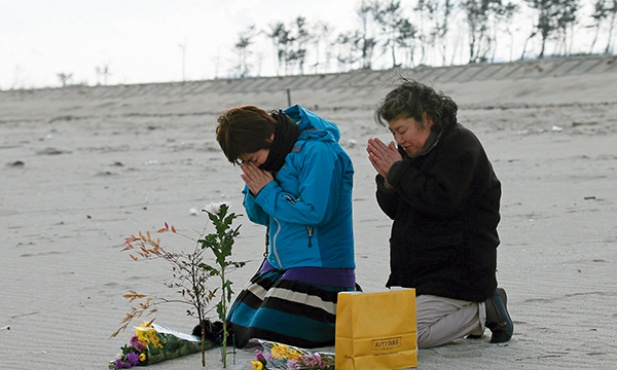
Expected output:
(83, 168)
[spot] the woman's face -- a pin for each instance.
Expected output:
(409, 134)
(257, 158)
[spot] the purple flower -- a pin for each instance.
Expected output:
(132, 358)
(119, 364)
(293, 365)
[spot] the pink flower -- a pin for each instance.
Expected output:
(312, 359)
(135, 343)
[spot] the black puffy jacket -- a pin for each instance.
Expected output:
(445, 207)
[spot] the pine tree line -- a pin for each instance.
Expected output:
(433, 33)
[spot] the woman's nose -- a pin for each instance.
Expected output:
(398, 138)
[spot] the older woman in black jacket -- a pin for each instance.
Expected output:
(439, 187)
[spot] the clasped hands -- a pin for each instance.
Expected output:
(254, 177)
(382, 156)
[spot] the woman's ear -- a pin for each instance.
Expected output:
(428, 120)
(271, 137)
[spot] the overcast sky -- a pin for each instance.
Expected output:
(147, 40)
(140, 40)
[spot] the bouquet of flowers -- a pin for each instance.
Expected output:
(284, 357)
(154, 343)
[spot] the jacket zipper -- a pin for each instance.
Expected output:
(274, 251)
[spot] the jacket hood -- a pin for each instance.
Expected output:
(309, 120)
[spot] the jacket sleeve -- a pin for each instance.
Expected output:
(253, 211)
(441, 190)
(320, 177)
(387, 197)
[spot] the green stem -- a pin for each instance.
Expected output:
(224, 318)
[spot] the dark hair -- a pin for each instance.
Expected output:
(411, 99)
(244, 130)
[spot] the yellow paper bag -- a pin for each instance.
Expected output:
(376, 331)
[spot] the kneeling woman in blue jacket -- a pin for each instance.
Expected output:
(299, 185)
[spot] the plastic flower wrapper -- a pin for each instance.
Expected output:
(281, 356)
(153, 343)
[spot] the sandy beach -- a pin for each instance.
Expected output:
(84, 167)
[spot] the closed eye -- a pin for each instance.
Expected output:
(248, 160)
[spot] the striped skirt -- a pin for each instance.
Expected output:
(296, 306)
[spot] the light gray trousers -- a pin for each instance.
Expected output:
(442, 320)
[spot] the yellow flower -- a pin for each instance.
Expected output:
(143, 332)
(293, 354)
(279, 351)
(257, 365)
(142, 357)
(142, 338)
(145, 327)
(147, 335)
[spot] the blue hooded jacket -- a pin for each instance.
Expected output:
(309, 206)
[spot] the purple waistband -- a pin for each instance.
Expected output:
(339, 277)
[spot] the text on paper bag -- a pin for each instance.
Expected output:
(386, 344)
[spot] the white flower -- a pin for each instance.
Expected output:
(215, 207)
